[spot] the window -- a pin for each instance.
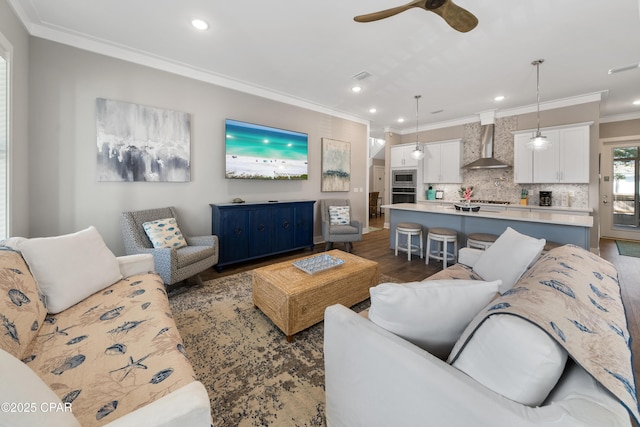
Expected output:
(4, 133)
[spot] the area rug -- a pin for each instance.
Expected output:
(375, 229)
(628, 248)
(254, 377)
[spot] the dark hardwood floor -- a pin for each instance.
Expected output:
(375, 246)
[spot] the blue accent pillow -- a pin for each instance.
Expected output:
(339, 215)
(164, 233)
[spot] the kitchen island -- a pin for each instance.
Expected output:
(554, 227)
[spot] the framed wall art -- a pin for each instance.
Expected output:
(336, 165)
(142, 143)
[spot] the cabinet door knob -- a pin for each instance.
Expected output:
(285, 224)
(237, 231)
(261, 227)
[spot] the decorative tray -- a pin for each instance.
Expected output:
(467, 208)
(317, 263)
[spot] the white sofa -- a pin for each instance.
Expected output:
(81, 355)
(374, 378)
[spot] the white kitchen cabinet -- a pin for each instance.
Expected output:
(546, 163)
(442, 162)
(522, 159)
(401, 156)
(565, 161)
(574, 158)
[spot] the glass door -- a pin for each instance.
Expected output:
(625, 187)
(619, 188)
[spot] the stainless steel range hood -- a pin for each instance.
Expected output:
(486, 161)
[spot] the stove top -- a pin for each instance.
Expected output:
(491, 202)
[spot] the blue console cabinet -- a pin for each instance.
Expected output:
(248, 231)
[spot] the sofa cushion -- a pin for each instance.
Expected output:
(431, 314)
(21, 310)
(31, 402)
(339, 215)
(114, 352)
(164, 233)
(508, 258)
(69, 268)
(514, 358)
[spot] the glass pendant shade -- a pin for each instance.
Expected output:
(417, 154)
(538, 142)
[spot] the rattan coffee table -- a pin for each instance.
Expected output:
(295, 300)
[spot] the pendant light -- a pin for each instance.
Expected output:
(538, 142)
(417, 154)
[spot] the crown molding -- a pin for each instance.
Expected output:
(553, 104)
(620, 117)
(102, 47)
(548, 105)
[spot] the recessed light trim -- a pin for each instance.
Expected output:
(499, 98)
(372, 110)
(637, 102)
(200, 24)
(401, 120)
(356, 89)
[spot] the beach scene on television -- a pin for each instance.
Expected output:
(262, 152)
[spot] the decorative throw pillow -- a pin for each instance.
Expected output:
(514, 358)
(339, 215)
(69, 268)
(164, 233)
(508, 258)
(431, 314)
(35, 403)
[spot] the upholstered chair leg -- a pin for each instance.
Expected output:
(328, 246)
(198, 280)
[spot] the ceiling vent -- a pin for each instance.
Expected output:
(362, 75)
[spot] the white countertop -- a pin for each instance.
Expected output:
(569, 209)
(513, 215)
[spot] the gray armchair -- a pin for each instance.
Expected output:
(173, 265)
(339, 233)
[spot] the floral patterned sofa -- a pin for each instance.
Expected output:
(114, 357)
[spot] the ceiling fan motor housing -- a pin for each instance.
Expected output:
(434, 4)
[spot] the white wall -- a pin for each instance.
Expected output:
(15, 33)
(64, 195)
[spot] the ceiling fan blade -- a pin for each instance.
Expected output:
(457, 17)
(375, 16)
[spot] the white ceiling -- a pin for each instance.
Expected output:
(307, 52)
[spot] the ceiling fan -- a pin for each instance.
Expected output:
(458, 18)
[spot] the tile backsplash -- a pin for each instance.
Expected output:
(497, 184)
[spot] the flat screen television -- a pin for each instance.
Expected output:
(263, 152)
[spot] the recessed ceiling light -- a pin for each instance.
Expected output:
(200, 24)
(356, 89)
(400, 120)
(372, 110)
(499, 98)
(636, 102)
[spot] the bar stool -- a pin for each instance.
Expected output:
(442, 236)
(409, 229)
(481, 240)
(551, 245)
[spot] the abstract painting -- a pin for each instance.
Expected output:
(142, 143)
(336, 165)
